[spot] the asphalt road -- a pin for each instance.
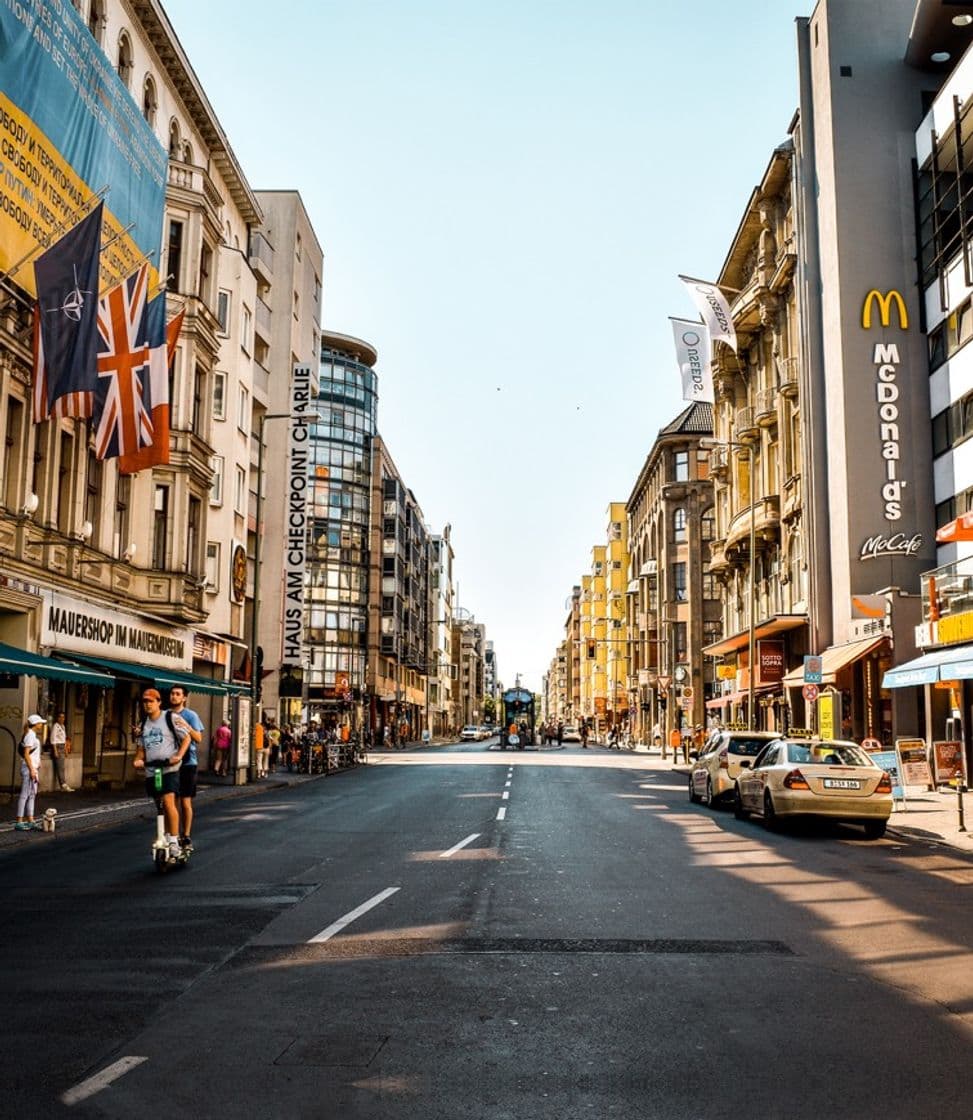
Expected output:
(471, 933)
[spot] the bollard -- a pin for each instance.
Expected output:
(960, 790)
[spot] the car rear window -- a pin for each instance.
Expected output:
(748, 747)
(835, 754)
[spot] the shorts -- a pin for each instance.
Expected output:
(170, 784)
(187, 781)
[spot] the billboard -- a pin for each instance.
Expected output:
(69, 129)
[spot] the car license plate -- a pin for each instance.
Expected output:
(841, 783)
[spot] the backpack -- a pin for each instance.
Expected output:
(169, 724)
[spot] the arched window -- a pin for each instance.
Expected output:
(125, 59)
(175, 141)
(96, 21)
(150, 103)
(187, 153)
(679, 525)
(707, 525)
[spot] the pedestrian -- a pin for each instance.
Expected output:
(190, 764)
(222, 738)
(698, 739)
(60, 748)
(584, 734)
(560, 733)
(260, 749)
(675, 740)
(163, 739)
(29, 750)
(273, 737)
(656, 735)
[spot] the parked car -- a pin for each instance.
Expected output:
(718, 764)
(470, 733)
(818, 778)
(572, 733)
(483, 731)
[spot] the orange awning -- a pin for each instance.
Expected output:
(959, 529)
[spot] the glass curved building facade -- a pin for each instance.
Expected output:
(339, 491)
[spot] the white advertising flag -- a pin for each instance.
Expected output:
(693, 358)
(714, 309)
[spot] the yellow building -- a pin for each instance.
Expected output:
(616, 659)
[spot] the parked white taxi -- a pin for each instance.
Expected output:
(816, 778)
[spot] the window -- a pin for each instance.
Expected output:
(223, 311)
(125, 60)
(93, 489)
(150, 102)
(243, 409)
(707, 525)
(297, 305)
(218, 464)
(205, 271)
(174, 256)
(199, 393)
(679, 534)
(679, 631)
(246, 330)
(160, 529)
(96, 20)
(702, 464)
(193, 524)
(297, 247)
(679, 582)
(240, 496)
(219, 395)
(123, 495)
(175, 141)
(681, 466)
(709, 586)
(212, 565)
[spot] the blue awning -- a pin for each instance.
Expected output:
(939, 665)
(21, 663)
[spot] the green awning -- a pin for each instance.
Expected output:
(164, 678)
(20, 663)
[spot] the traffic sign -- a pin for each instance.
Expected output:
(687, 692)
(663, 682)
(813, 669)
(810, 692)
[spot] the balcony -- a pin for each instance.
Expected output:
(195, 181)
(948, 591)
(261, 257)
(765, 408)
(788, 378)
(262, 321)
(766, 525)
(718, 561)
(719, 461)
(745, 424)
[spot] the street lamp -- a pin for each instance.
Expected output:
(752, 584)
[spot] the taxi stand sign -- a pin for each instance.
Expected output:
(813, 669)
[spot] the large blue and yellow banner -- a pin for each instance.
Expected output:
(68, 129)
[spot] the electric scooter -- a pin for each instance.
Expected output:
(162, 858)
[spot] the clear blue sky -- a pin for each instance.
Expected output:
(505, 191)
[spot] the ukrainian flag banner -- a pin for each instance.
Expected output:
(68, 129)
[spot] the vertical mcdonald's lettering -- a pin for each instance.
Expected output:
(884, 301)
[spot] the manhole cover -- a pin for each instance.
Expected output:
(328, 1050)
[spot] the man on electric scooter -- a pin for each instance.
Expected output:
(163, 740)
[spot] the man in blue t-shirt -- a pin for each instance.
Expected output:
(190, 764)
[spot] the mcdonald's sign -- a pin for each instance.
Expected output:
(884, 308)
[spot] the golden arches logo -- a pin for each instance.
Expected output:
(884, 302)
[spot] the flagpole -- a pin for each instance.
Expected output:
(45, 241)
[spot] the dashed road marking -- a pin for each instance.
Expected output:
(502, 813)
(339, 925)
(456, 847)
(99, 1081)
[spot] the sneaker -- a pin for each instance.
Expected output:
(67, 789)
(186, 843)
(174, 850)
(22, 826)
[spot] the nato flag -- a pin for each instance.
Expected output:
(67, 297)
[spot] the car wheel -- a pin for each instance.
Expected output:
(739, 812)
(692, 792)
(875, 830)
(710, 797)
(771, 820)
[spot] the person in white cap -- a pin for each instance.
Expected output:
(30, 764)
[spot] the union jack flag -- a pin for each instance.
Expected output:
(124, 422)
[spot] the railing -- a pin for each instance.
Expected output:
(947, 590)
(719, 460)
(766, 405)
(788, 377)
(745, 423)
(261, 250)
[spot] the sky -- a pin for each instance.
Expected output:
(505, 192)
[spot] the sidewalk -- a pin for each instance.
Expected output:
(83, 810)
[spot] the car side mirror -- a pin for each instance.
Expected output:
(744, 763)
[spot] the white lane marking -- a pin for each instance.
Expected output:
(505, 796)
(501, 812)
(99, 1081)
(456, 847)
(339, 925)
(507, 785)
